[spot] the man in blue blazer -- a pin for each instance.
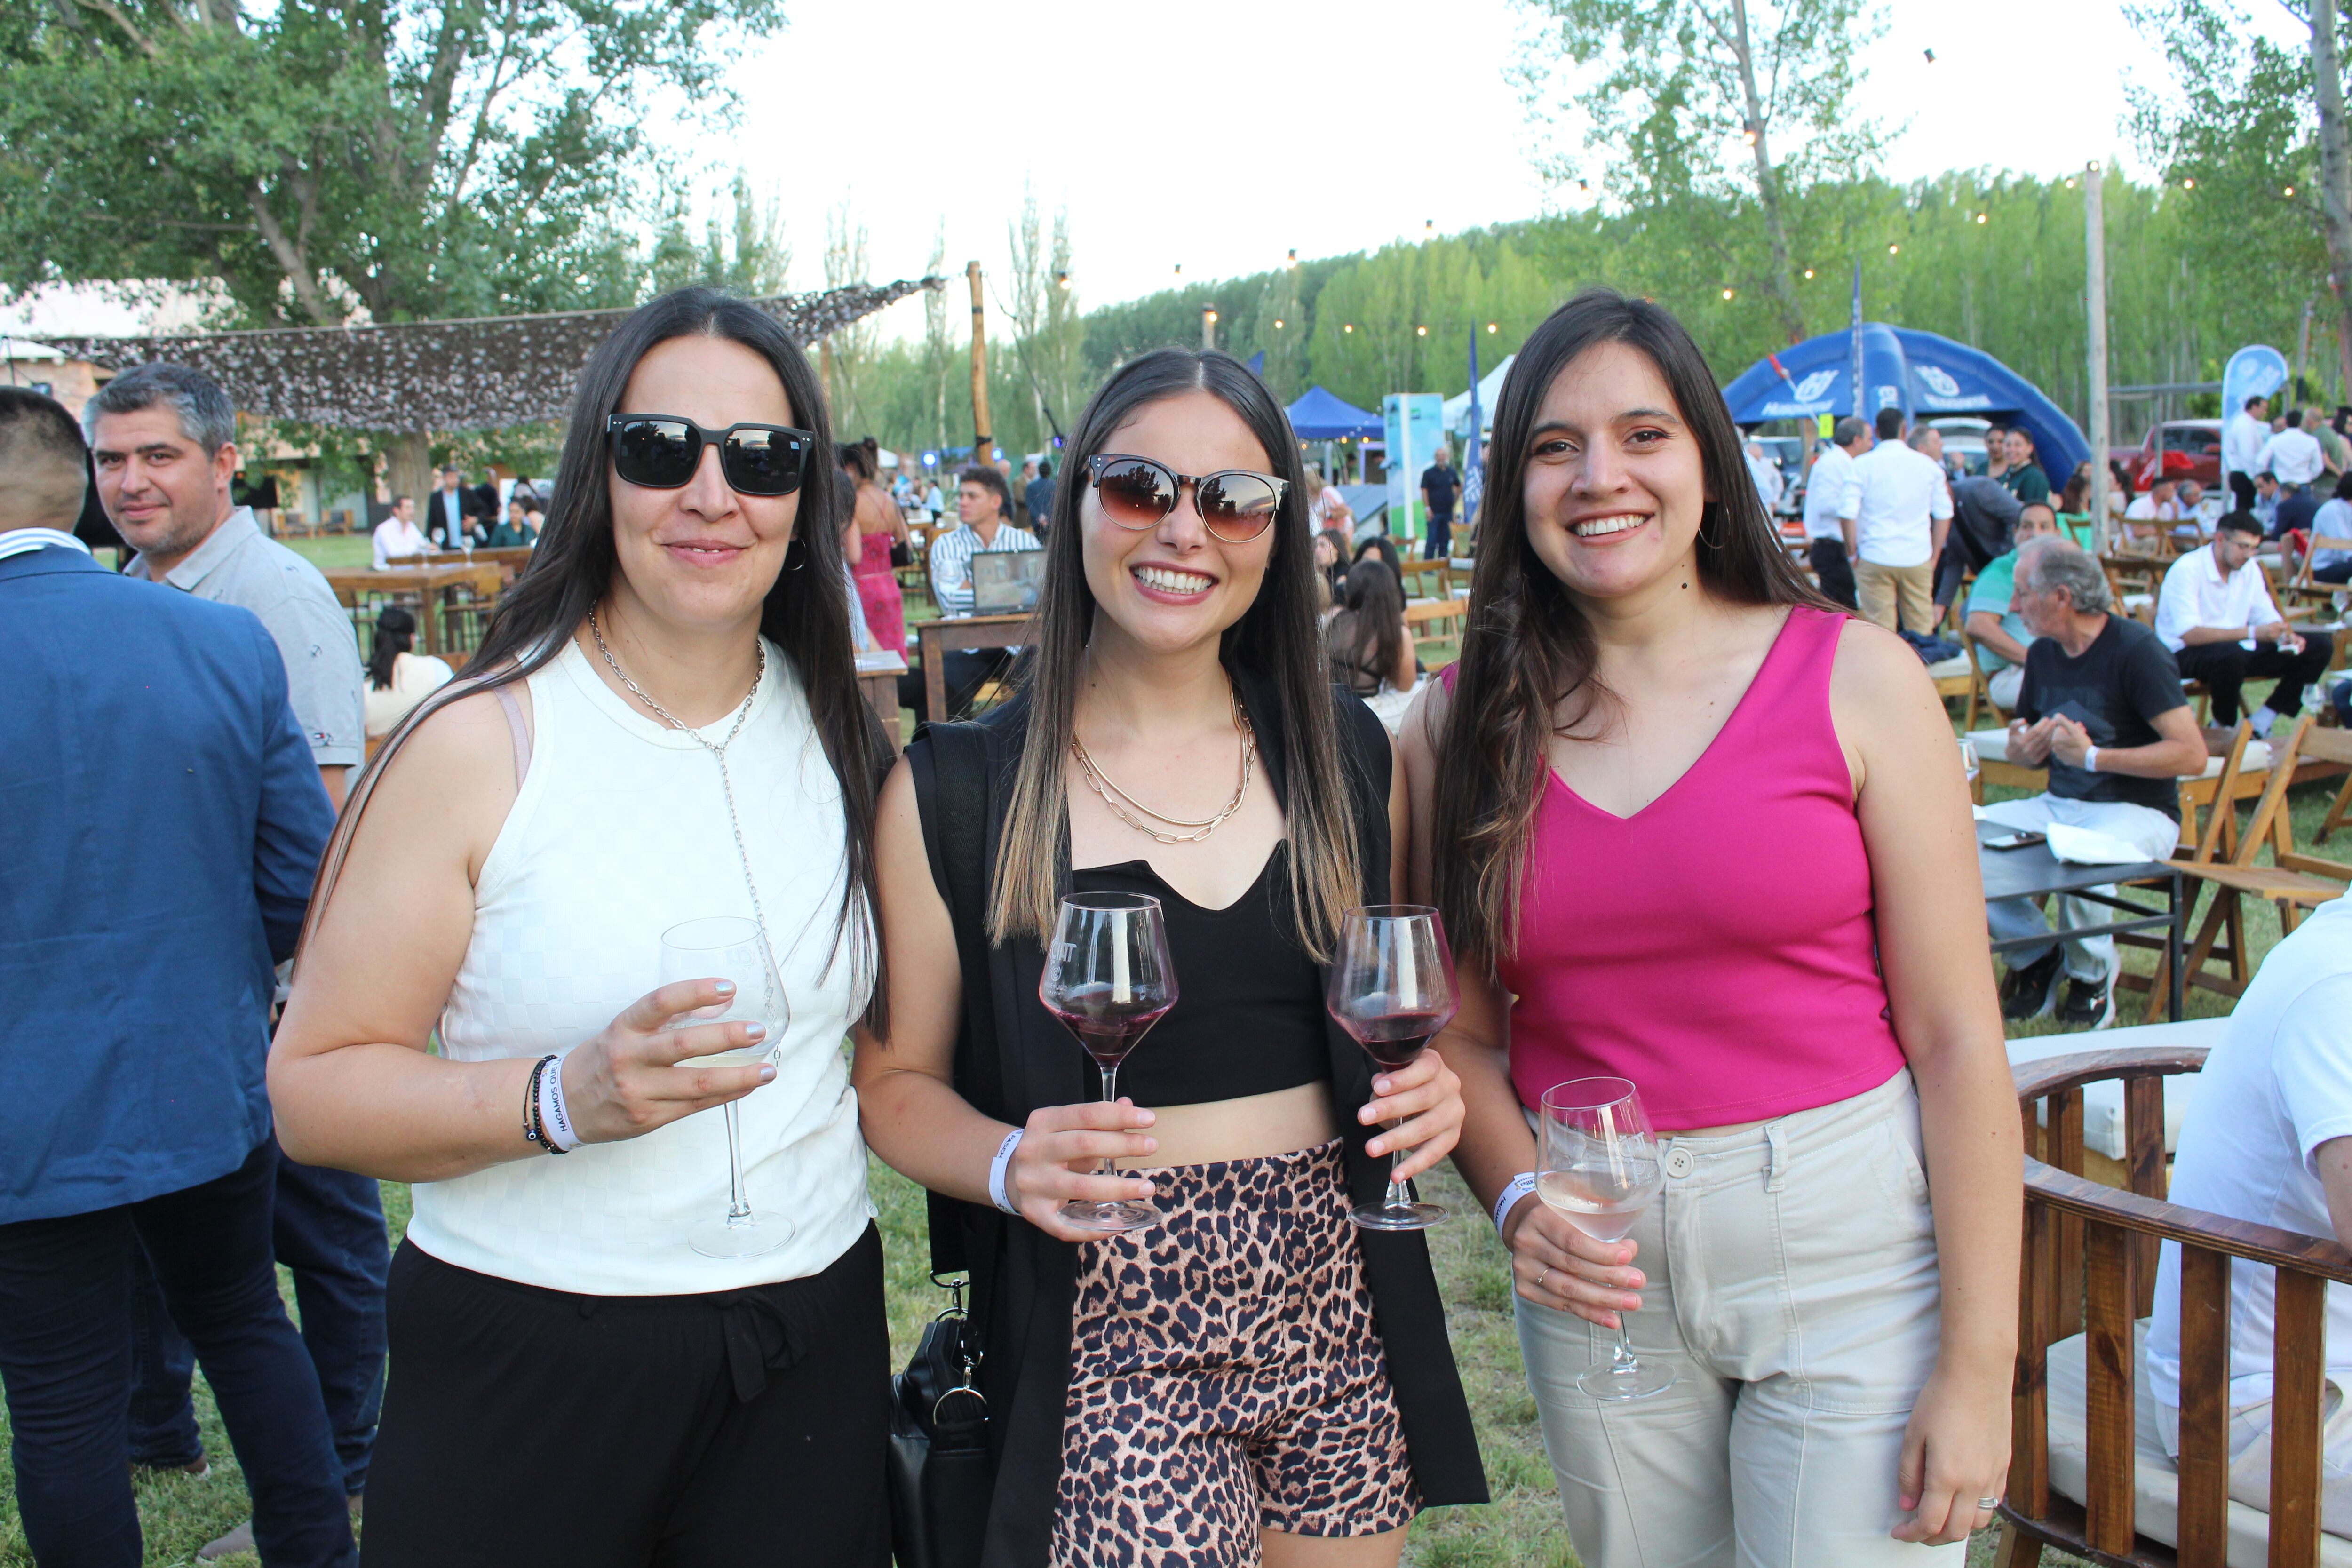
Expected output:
(160, 820)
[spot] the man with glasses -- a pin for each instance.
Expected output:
(2216, 613)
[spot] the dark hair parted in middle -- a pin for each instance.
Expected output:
(1527, 653)
(1276, 639)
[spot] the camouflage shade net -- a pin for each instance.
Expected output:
(485, 373)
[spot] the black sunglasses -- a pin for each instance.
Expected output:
(1235, 504)
(660, 451)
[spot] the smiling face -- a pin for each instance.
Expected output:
(1615, 486)
(2020, 447)
(1170, 586)
(160, 489)
(702, 555)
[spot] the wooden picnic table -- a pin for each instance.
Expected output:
(878, 682)
(935, 638)
(513, 556)
(433, 588)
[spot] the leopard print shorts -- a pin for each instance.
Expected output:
(1227, 1376)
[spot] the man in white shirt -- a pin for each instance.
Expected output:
(1899, 505)
(398, 534)
(2268, 1139)
(2157, 506)
(1765, 471)
(2293, 454)
(983, 510)
(2241, 444)
(2216, 613)
(1827, 511)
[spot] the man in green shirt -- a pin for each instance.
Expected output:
(1998, 631)
(2023, 476)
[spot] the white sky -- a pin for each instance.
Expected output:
(1220, 133)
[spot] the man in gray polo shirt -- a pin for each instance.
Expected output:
(162, 441)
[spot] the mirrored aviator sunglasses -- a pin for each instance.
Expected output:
(1235, 504)
(660, 451)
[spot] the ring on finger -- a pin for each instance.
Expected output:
(1544, 1275)
(1988, 1503)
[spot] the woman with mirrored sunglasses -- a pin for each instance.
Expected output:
(1276, 1384)
(662, 725)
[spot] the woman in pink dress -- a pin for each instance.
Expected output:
(880, 524)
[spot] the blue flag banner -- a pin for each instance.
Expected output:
(1473, 472)
(1257, 363)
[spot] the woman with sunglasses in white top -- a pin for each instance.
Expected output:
(667, 728)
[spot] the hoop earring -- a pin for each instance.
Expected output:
(1716, 542)
(795, 555)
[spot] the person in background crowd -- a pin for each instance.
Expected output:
(2333, 521)
(138, 924)
(1999, 632)
(1996, 441)
(514, 531)
(984, 506)
(449, 513)
(1765, 469)
(1820, 1047)
(933, 501)
(1828, 513)
(2265, 1140)
(398, 534)
(573, 1379)
(881, 529)
(1021, 512)
(2291, 519)
(1984, 525)
(1327, 508)
(1038, 496)
(398, 679)
(2160, 509)
(1441, 487)
(2334, 451)
(2197, 507)
(1332, 565)
(163, 441)
(902, 483)
(861, 638)
(2023, 475)
(2216, 613)
(1382, 545)
(2243, 438)
(2073, 507)
(2292, 455)
(1898, 508)
(2267, 497)
(1367, 642)
(2100, 707)
(1276, 1387)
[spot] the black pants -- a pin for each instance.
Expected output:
(65, 1355)
(2242, 491)
(2339, 573)
(1835, 570)
(327, 1228)
(730, 1430)
(2224, 667)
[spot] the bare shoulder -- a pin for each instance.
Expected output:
(451, 781)
(1875, 667)
(1425, 720)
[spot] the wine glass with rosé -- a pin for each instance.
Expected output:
(1598, 1169)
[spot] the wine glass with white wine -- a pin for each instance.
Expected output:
(1598, 1169)
(730, 947)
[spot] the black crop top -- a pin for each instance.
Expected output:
(1248, 1017)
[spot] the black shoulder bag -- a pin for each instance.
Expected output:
(941, 1474)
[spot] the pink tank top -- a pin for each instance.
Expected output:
(1718, 947)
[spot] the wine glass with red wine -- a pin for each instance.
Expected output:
(1108, 980)
(1391, 988)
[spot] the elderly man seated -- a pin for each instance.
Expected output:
(2269, 1138)
(1999, 632)
(2100, 705)
(2216, 613)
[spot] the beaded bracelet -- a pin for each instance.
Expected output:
(531, 1130)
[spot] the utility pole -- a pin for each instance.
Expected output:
(983, 442)
(2095, 241)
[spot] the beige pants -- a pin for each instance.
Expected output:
(1881, 588)
(2250, 1454)
(1792, 1287)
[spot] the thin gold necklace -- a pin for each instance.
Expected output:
(1118, 799)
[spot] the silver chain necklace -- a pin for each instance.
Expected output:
(718, 750)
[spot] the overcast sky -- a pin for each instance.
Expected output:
(1220, 133)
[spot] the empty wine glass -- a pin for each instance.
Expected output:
(1391, 988)
(1970, 766)
(1108, 979)
(730, 947)
(1598, 1169)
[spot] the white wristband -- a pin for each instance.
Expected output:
(2091, 759)
(555, 1119)
(996, 1170)
(1521, 1186)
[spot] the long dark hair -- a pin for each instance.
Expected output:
(1528, 650)
(1369, 633)
(396, 634)
(1277, 638)
(805, 614)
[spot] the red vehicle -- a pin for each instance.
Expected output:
(2178, 450)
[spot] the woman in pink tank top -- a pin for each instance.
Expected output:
(1691, 827)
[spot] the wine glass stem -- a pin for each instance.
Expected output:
(1107, 1166)
(1400, 1195)
(1623, 1359)
(738, 1206)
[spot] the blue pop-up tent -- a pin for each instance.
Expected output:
(1924, 375)
(1317, 415)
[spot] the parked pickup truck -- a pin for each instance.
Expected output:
(2178, 450)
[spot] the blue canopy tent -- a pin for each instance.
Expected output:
(1317, 415)
(1924, 375)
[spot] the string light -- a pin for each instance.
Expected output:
(1349, 327)
(1277, 324)
(1294, 256)
(1982, 217)
(1491, 327)
(1809, 272)
(1894, 250)
(2189, 183)
(1420, 332)
(1726, 293)
(1179, 270)
(1062, 279)
(2290, 190)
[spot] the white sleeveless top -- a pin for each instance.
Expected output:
(620, 832)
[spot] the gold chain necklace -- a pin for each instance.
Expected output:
(1118, 800)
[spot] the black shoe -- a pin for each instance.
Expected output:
(2028, 992)
(2090, 1004)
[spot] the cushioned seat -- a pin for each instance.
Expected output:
(2102, 1103)
(1956, 668)
(2155, 1508)
(1992, 746)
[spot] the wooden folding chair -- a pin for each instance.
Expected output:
(1436, 620)
(2326, 746)
(2337, 747)
(2306, 587)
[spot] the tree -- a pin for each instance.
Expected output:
(1049, 336)
(1681, 93)
(847, 352)
(747, 255)
(408, 159)
(2254, 137)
